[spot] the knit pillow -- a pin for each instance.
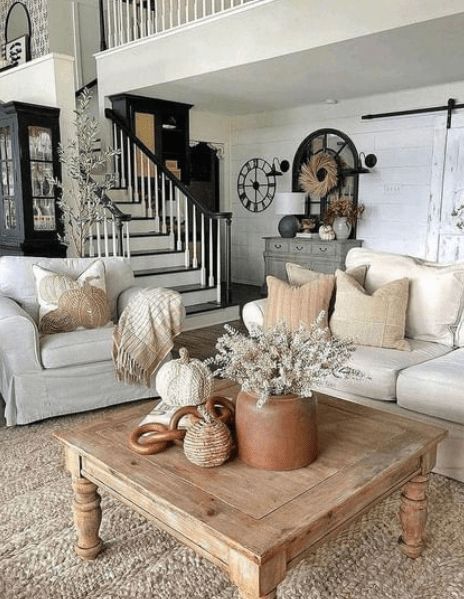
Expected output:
(297, 305)
(378, 320)
(66, 304)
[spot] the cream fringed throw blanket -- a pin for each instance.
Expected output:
(145, 334)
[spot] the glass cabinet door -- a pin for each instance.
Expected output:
(7, 179)
(41, 163)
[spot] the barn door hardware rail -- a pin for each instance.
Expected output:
(447, 108)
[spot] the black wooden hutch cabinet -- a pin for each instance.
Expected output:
(29, 220)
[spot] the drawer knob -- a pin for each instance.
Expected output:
(277, 246)
(322, 249)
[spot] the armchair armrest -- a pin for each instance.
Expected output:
(253, 313)
(19, 338)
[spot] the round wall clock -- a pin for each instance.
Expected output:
(256, 185)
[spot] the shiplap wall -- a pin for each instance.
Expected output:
(402, 194)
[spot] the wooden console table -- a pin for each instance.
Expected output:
(323, 256)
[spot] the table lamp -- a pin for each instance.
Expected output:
(290, 203)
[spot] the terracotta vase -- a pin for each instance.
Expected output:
(282, 435)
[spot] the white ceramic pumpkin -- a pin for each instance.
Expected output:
(184, 382)
(326, 233)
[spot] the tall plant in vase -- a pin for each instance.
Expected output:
(278, 370)
(80, 194)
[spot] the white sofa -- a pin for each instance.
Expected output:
(63, 373)
(426, 383)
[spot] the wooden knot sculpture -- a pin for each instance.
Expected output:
(152, 438)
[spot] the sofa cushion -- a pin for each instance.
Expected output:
(76, 348)
(376, 319)
(435, 387)
(383, 366)
(436, 293)
(17, 279)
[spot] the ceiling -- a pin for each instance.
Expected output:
(418, 55)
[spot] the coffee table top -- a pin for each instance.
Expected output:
(364, 455)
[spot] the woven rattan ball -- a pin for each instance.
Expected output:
(208, 443)
(184, 382)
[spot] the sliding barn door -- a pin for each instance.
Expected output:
(445, 241)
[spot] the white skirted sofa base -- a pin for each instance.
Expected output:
(426, 383)
(65, 373)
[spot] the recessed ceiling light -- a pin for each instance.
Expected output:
(331, 101)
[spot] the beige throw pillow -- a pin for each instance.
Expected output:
(66, 304)
(297, 305)
(299, 275)
(378, 320)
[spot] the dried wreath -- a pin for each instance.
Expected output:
(319, 176)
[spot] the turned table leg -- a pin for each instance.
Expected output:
(413, 515)
(87, 518)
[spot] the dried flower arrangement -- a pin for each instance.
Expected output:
(277, 361)
(343, 206)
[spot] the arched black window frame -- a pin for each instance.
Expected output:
(303, 154)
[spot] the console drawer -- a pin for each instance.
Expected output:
(323, 249)
(298, 247)
(277, 246)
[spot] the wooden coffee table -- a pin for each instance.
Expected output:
(252, 523)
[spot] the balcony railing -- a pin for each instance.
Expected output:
(125, 21)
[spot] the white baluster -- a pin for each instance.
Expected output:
(194, 236)
(128, 27)
(218, 263)
(178, 12)
(126, 231)
(116, 156)
(204, 8)
(130, 191)
(134, 20)
(171, 16)
(157, 210)
(114, 236)
(149, 23)
(163, 203)
(171, 215)
(150, 207)
(99, 253)
(136, 179)
(203, 252)
(179, 240)
(109, 23)
(222, 5)
(91, 250)
(122, 159)
(121, 23)
(105, 236)
(211, 255)
(143, 197)
(115, 23)
(187, 234)
(195, 9)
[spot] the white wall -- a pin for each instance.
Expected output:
(48, 81)
(397, 193)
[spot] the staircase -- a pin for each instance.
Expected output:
(170, 239)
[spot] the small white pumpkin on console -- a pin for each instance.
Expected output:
(326, 233)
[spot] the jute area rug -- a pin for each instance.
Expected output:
(140, 562)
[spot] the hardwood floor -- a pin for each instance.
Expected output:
(201, 342)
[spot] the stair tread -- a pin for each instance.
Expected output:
(190, 288)
(155, 252)
(207, 307)
(164, 270)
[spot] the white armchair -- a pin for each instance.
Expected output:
(63, 373)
